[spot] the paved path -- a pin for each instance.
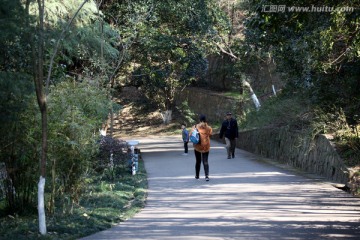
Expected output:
(244, 199)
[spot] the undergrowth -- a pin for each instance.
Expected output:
(277, 112)
(345, 138)
(105, 202)
(298, 113)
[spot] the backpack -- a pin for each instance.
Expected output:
(195, 136)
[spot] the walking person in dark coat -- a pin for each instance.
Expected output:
(229, 128)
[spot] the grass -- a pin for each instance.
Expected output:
(276, 112)
(103, 204)
(234, 94)
(348, 147)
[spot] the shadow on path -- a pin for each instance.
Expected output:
(244, 199)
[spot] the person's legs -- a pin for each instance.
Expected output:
(197, 163)
(227, 141)
(186, 147)
(205, 157)
(232, 147)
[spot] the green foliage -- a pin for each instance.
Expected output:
(317, 55)
(75, 109)
(315, 52)
(277, 112)
(348, 146)
(103, 204)
(171, 66)
(75, 112)
(14, 98)
(329, 120)
(14, 37)
(170, 42)
(19, 148)
(234, 94)
(346, 139)
(189, 116)
(300, 114)
(58, 11)
(89, 47)
(112, 156)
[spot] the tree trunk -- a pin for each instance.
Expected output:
(167, 116)
(42, 102)
(169, 103)
(41, 99)
(111, 121)
(41, 206)
(252, 94)
(53, 187)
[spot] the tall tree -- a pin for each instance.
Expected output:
(316, 49)
(42, 93)
(171, 41)
(38, 60)
(17, 93)
(32, 42)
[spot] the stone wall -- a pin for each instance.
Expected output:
(313, 156)
(212, 104)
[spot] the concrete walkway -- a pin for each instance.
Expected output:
(244, 199)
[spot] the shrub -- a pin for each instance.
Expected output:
(112, 153)
(75, 112)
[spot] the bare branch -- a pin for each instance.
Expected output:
(226, 52)
(342, 54)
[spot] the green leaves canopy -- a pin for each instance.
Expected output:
(170, 40)
(315, 51)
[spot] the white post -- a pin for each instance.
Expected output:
(273, 88)
(255, 101)
(252, 94)
(132, 144)
(111, 160)
(41, 206)
(133, 168)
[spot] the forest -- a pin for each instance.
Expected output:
(62, 63)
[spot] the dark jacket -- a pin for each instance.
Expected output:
(229, 128)
(185, 135)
